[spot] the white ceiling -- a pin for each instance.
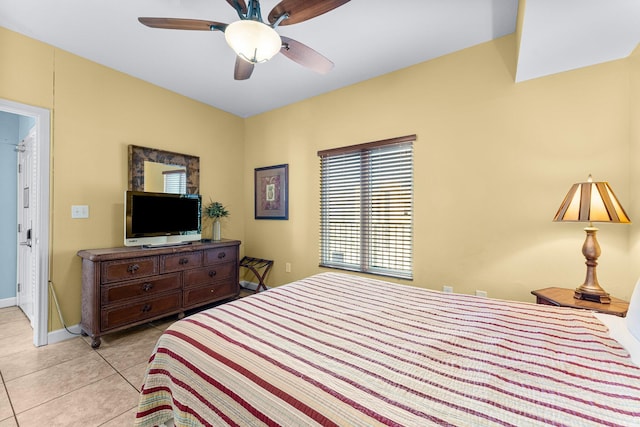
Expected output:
(364, 38)
(562, 35)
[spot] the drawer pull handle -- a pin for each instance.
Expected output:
(184, 261)
(133, 268)
(222, 255)
(147, 287)
(212, 273)
(146, 308)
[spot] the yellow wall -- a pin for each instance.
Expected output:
(97, 113)
(634, 161)
(493, 161)
(26, 70)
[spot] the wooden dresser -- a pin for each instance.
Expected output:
(127, 286)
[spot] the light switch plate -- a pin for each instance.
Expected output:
(79, 211)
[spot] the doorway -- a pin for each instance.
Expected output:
(26, 150)
(32, 205)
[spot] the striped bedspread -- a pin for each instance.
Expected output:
(341, 350)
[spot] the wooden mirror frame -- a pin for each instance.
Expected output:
(138, 155)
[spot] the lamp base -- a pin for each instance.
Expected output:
(591, 290)
(590, 295)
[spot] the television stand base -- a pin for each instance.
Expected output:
(164, 245)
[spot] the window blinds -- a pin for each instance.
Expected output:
(366, 204)
(175, 181)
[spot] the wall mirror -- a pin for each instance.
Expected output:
(151, 170)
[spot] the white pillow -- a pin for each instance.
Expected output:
(633, 315)
(626, 330)
(618, 331)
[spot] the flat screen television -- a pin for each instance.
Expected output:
(156, 219)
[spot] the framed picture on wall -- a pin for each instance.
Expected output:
(272, 192)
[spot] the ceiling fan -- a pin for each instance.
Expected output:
(255, 41)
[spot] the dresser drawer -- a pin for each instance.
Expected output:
(210, 274)
(179, 262)
(119, 316)
(207, 294)
(116, 271)
(218, 255)
(150, 286)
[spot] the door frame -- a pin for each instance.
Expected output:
(41, 216)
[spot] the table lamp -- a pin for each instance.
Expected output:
(591, 202)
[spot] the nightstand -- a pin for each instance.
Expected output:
(563, 297)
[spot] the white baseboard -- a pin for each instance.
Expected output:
(52, 337)
(62, 334)
(8, 302)
(252, 286)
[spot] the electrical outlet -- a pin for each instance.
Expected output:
(447, 289)
(287, 267)
(481, 293)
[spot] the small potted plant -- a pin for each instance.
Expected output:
(215, 211)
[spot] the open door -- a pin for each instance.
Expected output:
(33, 246)
(27, 266)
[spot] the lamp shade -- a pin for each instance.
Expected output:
(591, 202)
(252, 40)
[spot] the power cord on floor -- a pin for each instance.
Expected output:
(55, 299)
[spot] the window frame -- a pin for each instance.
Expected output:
(365, 206)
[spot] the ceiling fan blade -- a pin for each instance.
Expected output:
(182, 24)
(243, 69)
(238, 4)
(301, 10)
(305, 56)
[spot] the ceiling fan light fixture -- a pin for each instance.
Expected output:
(252, 40)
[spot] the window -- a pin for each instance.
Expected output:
(366, 207)
(175, 181)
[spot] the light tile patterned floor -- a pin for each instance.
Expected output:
(68, 383)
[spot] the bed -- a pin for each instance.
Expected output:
(343, 350)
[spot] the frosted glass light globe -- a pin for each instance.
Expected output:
(253, 41)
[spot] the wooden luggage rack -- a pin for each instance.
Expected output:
(255, 265)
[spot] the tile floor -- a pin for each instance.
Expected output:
(68, 383)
